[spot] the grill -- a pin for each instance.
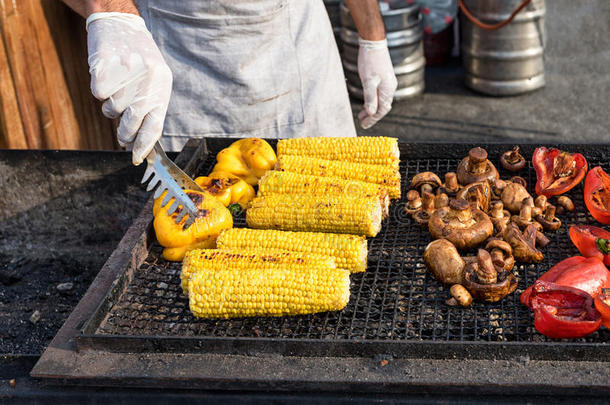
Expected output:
(396, 307)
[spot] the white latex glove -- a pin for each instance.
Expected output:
(129, 74)
(378, 81)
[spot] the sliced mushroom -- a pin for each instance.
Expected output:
(476, 167)
(501, 254)
(413, 202)
(461, 295)
(513, 195)
(548, 220)
(444, 261)
(460, 224)
(499, 216)
(523, 244)
(477, 194)
(425, 181)
(422, 216)
(487, 282)
(512, 160)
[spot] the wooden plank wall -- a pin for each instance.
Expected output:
(45, 101)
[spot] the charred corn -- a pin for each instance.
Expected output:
(349, 251)
(298, 212)
(241, 259)
(232, 292)
(362, 149)
(379, 174)
(278, 182)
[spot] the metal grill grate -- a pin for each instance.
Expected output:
(395, 300)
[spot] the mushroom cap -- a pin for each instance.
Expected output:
(465, 177)
(444, 261)
(499, 244)
(513, 196)
(506, 284)
(519, 160)
(467, 235)
(524, 250)
(425, 178)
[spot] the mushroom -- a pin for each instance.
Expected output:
(497, 186)
(525, 214)
(461, 295)
(539, 205)
(476, 167)
(499, 216)
(564, 203)
(425, 181)
(413, 202)
(460, 224)
(441, 200)
(477, 194)
(501, 254)
(548, 220)
(519, 180)
(541, 240)
(422, 216)
(513, 195)
(523, 244)
(512, 160)
(487, 282)
(451, 186)
(444, 261)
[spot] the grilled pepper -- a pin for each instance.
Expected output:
(557, 171)
(591, 241)
(597, 194)
(212, 218)
(587, 274)
(602, 304)
(249, 159)
(227, 188)
(562, 312)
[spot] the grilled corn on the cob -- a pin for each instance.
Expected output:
(349, 251)
(362, 149)
(241, 259)
(298, 212)
(378, 174)
(285, 290)
(278, 182)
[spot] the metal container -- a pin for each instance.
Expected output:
(404, 34)
(507, 61)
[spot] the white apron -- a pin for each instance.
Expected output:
(264, 68)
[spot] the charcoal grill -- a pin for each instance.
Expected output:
(135, 312)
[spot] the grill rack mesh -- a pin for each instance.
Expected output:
(396, 299)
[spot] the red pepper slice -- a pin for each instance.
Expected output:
(591, 241)
(585, 273)
(557, 171)
(562, 312)
(597, 194)
(602, 304)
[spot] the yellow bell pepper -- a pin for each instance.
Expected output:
(212, 219)
(227, 188)
(248, 159)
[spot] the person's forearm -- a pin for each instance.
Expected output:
(367, 18)
(88, 7)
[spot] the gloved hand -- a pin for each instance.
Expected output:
(129, 74)
(378, 81)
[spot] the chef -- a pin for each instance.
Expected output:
(263, 68)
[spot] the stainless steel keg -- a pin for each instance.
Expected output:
(404, 33)
(509, 60)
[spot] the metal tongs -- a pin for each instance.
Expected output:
(164, 173)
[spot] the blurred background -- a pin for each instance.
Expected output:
(45, 102)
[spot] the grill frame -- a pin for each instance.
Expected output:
(90, 339)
